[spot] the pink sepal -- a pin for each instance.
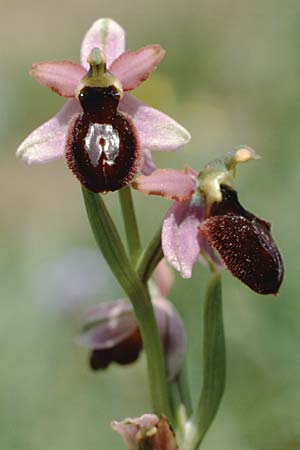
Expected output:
(47, 142)
(169, 183)
(107, 35)
(157, 131)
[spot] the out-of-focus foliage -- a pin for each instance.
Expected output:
(231, 76)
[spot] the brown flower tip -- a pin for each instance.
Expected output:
(245, 244)
(102, 145)
(123, 353)
(164, 438)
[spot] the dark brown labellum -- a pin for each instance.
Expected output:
(245, 244)
(102, 146)
(125, 352)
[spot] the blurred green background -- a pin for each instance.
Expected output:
(231, 76)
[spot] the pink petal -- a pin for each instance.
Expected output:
(163, 277)
(168, 183)
(132, 68)
(172, 334)
(157, 131)
(107, 35)
(47, 142)
(107, 324)
(62, 77)
(180, 241)
(148, 164)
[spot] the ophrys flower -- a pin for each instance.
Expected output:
(152, 129)
(207, 215)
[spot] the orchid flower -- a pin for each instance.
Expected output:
(156, 131)
(110, 331)
(207, 215)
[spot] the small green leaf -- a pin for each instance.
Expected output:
(214, 367)
(213, 353)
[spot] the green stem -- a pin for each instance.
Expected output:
(109, 242)
(150, 257)
(213, 369)
(130, 223)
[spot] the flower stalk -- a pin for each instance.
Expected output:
(109, 242)
(130, 224)
(150, 257)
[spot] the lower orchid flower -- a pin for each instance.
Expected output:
(110, 331)
(112, 139)
(207, 215)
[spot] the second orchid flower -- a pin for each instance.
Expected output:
(207, 215)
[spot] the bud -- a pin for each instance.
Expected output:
(147, 432)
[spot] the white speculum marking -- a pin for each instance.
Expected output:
(102, 137)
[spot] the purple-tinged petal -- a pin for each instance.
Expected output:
(157, 131)
(132, 68)
(180, 242)
(107, 35)
(148, 164)
(169, 183)
(61, 77)
(111, 332)
(107, 324)
(172, 334)
(163, 277)
(47, 142)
